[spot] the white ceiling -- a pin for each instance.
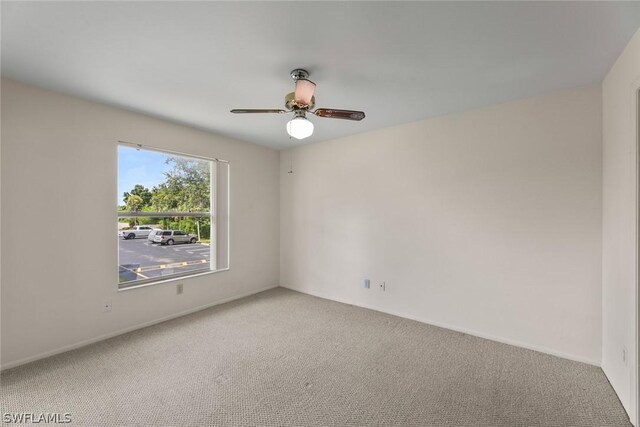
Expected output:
(191, 62)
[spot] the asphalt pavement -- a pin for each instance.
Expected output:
(140, 259)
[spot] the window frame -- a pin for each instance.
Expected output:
(212, 215)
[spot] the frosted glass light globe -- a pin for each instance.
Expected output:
(299, 128)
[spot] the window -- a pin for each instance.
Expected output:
(172, 215)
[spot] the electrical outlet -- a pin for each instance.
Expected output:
(106, 306)
(366, 283)
(383, 286)
(179, 289)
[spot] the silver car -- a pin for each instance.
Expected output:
(152, 235)
(171, 237)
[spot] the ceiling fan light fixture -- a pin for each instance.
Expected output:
(300, 102)
(299, 127)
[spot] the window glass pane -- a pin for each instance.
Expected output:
(166, 215)
(151, 181)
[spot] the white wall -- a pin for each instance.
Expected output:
(487, 221)
(59, 190)
(619, 224)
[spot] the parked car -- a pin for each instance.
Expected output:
(152, 235)
(137, 231)
(170, 237)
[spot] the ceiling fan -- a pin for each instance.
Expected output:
(300, 102)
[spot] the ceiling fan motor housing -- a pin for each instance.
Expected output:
(291, 104)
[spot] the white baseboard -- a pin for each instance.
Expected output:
(89, 341)
(454, 328)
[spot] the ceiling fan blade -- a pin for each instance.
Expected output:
(339, 114)
(254, 110)
(304, 91)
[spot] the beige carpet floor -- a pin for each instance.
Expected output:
(281, 358)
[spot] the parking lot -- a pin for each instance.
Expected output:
(140, 259)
